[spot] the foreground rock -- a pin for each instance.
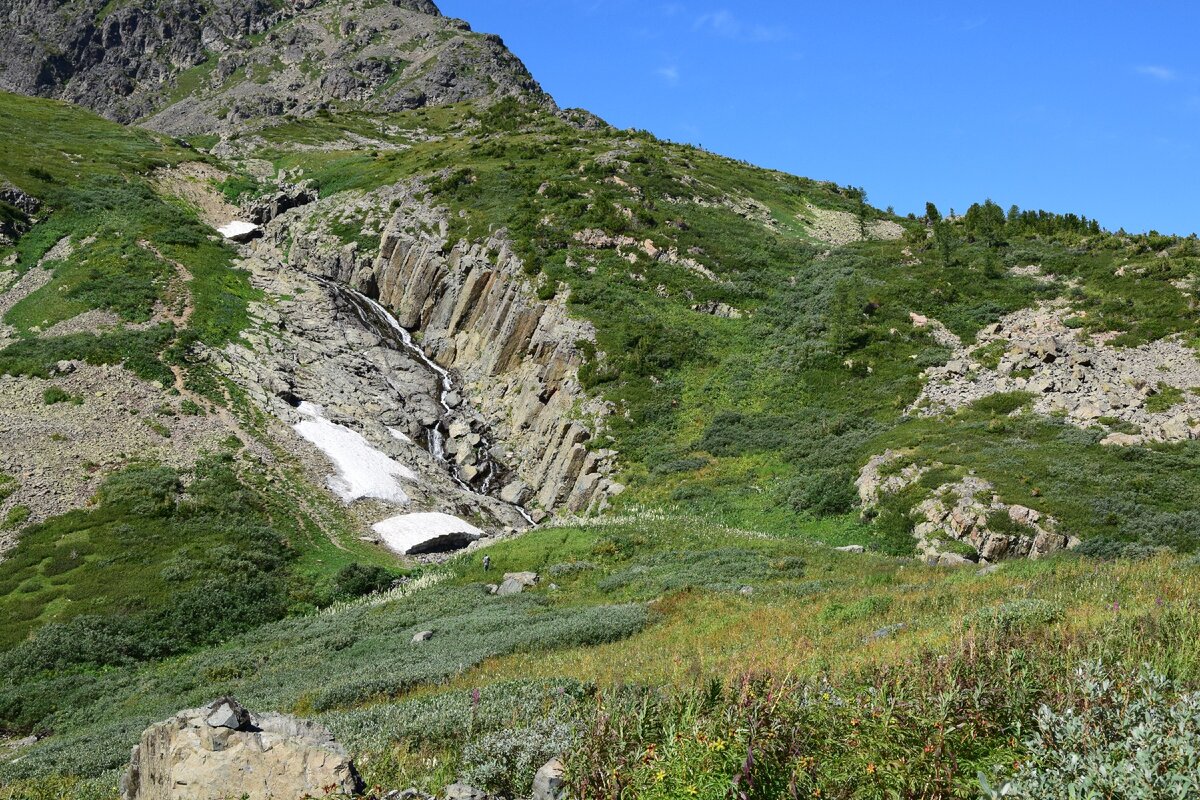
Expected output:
(550, 782)
(223, 750)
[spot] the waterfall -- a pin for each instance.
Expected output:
(379, 319)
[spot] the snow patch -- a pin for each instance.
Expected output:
(362, 470)
(400, 435)
(238, 231)
(413, 534)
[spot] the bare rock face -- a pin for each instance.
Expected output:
(965, 511)
(520, 356)
(516, 356)
(222, 750)
(193, 66)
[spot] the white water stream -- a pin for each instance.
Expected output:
(436, 438)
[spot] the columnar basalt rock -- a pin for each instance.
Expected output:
(479, 316)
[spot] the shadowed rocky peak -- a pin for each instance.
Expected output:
(193, 66)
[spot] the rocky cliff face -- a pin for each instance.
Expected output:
(477, 315)
(199, 66)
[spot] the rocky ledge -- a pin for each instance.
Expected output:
(961, 521)
(1138, 394)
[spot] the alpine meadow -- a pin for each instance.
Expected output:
(371, 426)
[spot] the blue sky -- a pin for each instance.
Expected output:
(1087, 107)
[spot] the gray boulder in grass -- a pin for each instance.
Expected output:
(223, 750)
(550, 782)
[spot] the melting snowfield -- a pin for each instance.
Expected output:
(362, 471)
(413, 534)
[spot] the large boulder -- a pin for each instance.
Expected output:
(517, 582)
(223, 750)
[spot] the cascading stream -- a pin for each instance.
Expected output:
(376, 317)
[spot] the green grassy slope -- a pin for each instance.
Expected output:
(764, 420)
(650, 600)
(120, 574)
(92, 176)
(667, 635)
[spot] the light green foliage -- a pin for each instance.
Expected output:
(1119, 738)
(1016, 615)
(1164, 399)
(91, 175)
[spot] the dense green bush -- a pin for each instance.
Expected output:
(356, 580)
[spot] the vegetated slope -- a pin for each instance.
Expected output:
(857, 676)
(758, 339)
(198, 65)
(760, 336)
(113, 294)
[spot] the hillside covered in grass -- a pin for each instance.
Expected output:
(855, 675)
(803, 411)
(757, 356)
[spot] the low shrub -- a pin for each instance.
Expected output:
(1121, 738)
(1015, 615)
(505, 761)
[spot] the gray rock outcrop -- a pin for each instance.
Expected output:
(22, 207)
(549, 782)
(223, 750)
(963, 521)
(478, 315)
(1085, 379)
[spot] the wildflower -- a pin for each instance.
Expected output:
(692, 791)
(871, 768)
(660, 776)
(718, 745)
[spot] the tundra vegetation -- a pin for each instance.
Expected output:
(702, 640)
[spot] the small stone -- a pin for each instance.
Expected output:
(461, 791)
(549, 782)
(423, 636)
(228, 713)
(851, 548)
